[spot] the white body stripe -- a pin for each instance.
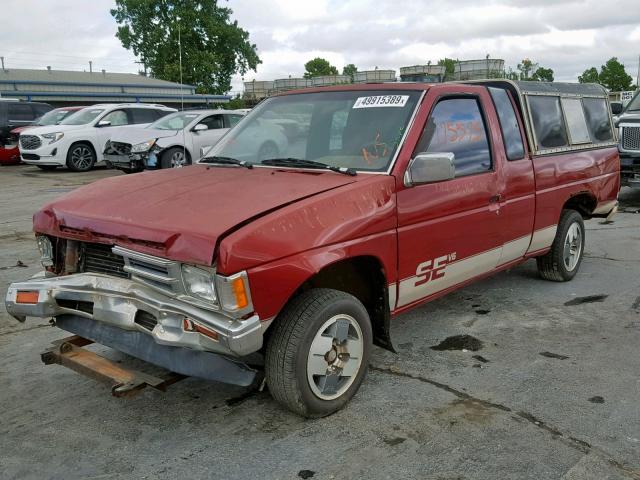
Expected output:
(463, 269)
(543, 238)
(392, 296)
(456, 272)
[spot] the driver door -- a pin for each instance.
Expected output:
(449, 231)
(204, 139)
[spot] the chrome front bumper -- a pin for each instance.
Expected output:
(116, 301)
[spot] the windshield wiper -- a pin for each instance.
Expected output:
(298, 162)
(226, 161)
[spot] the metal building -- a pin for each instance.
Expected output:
(479, 69)
(422, 73)
(64, 88)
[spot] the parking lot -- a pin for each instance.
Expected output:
(551, 392)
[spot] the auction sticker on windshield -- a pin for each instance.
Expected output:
(381, 101)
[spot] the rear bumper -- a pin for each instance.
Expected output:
(118, 302)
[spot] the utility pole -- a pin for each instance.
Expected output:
(90, 66)
(637, 79)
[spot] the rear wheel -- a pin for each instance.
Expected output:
(561, 263)
(175, 158)
(318, 352)
(81, 157)
(47, 168)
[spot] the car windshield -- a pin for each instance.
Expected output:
(54, 117)
(82, 117)
(358, 130)
(634, 104)
(175, 121)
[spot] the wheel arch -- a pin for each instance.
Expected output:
(583, 202)
(87, 142)
(363, 276)
(177, 146)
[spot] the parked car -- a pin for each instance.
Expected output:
(173, 141)
(52, 117)
(398, 194)
(78, 139)
(14, 114)
(628, 122)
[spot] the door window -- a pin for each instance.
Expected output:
(511, 134)
(456, 126)
(213, 122)
(232, 120)
(143, 115)
(20, 112)
(117, 118)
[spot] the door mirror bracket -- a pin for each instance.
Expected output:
(430, 168)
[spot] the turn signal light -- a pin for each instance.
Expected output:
(240, 292)
(191, 326)
(27, 297)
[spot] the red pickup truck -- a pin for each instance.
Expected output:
(296, 255)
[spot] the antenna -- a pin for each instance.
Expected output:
(184, 139)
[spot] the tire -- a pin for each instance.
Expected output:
(267, 150)
(298, 333)
(562, 262)
(47, 168)
(81, 157)
(131, 170)
(175, 158)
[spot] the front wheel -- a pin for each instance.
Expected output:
(318, 352)
(175, 158)
(81, 157)
(561, 263)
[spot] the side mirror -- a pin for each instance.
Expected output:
(616, 108)
(103, 123)
(200, 127)
(430, 168)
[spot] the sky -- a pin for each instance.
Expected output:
(568, 36)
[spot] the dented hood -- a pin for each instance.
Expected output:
(180, 213)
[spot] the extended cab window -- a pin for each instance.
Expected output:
(597, 116)
(548, 122)
(456, 125)
(511, 134)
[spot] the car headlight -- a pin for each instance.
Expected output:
(234, 294)
(53, 137)
(199, 283)
(142, 147)
(46, 251)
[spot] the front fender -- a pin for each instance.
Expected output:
(273, 284)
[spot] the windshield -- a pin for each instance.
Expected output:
(175, 121)
(53, 117)
(351, 129)
(634, 104)
(82, 117)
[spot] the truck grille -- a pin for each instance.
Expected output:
(30, 142)
(98, 258)
(156, 272)
(631, 138)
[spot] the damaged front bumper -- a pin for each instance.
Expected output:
(133, 161)
(130, 306)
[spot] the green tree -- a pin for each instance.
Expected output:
(235, 103)
(590, 75)
(526, 67)
(614, 77)
(213, 47)
(449, 65)
(319, 66)
(350, 70)
(543, 75)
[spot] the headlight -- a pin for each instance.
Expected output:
(53, 137)
(199, 283)
(234, 294)
(46, 251)
(142, 147)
